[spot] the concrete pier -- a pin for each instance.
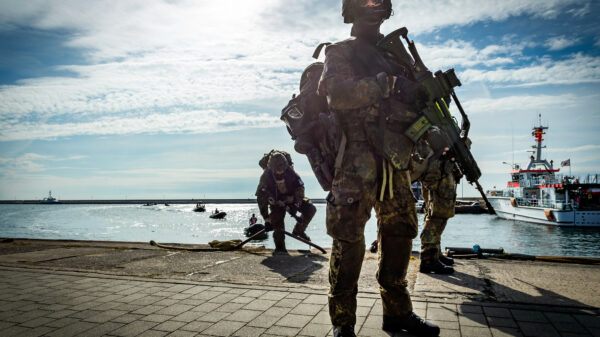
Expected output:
(89, 288)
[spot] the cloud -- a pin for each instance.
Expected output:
(576, 69)
(560, 42)
(581, 11)
(27, 162)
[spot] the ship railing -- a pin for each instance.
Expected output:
(530, 202)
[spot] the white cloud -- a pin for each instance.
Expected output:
(576, 69)
(581, 11)
(560, 42)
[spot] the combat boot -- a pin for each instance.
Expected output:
(446, 260)
(411, 323)
(436, 267)
(344, 331)
(302, 235)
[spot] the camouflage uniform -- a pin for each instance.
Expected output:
(439, 193)
(354, 95)
(289, 188)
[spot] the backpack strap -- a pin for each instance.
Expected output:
(319, 48)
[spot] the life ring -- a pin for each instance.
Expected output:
(513, 202)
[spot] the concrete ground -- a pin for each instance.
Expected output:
(84, 288)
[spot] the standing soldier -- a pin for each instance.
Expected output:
(280, 189)
(437, 177)
(358, 81)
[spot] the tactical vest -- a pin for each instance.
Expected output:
(292, 182)
(382, 126)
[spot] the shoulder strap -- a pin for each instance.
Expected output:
(319, 48)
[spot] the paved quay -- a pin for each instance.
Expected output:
(86, 288)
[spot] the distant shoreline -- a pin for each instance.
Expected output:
(160, 201)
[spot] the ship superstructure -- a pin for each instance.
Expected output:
(539, 194)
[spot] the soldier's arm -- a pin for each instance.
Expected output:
(343, 89)
(262, 197)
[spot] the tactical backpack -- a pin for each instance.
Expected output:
(311, 125)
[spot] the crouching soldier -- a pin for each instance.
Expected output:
(280, 189)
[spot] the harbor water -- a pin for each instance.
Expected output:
(179, 224)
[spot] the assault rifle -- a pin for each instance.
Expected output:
(436, 113)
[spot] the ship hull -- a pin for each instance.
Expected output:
(552, 217)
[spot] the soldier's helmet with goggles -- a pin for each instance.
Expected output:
(352, 9)
(277, 162)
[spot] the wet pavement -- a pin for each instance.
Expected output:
(86, 288)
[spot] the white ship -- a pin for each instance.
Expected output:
(50, 199)
(538, 194)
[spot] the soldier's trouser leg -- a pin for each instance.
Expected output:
(308, 210)
(277, 220)
(440, 197)
(430, 239)
(354, 189)
(397, 226)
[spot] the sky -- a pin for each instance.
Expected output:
(180, 99)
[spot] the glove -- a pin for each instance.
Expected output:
(289, 199)
(268, 226)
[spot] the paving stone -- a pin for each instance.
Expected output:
(27, 316)
(497, 312)
(207, 307)
(34, 323)
(466, 308)
(322, 318)
(259, 304)
(103, 329)
(214, 316)
(277, 330)
(148, 309)
(188, 316)
(134, 328)
(306, 309)
(373, 322)
(472, 319)
(181, 333)
(243, 315)
(588, 321)
(288, 303)
(249, 331)
(153, 333)
(294, 321)
(528, 316)
(316, 299)
(223, 328)
(446, 325)
(174, 310)
(104, 316)
(62, 322)
(264, 321)
(362, 311)
(242, 299)
(441, 314)
(537, 329)
(277, 311)
(372, 332)
(74, 329)
(169, 326)
(316, 330)
(472, 331)
(37, 331)
(157, 318)
(365, 302)
(298, 296)
(197, 326)
(127, 318)
(230, 307)
(15, 331)
(274, 295)
(502, 322)
(237, 291)
(505, 332)
(254, 293)
(223, 298)
(444, 333)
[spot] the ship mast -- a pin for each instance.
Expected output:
(538, 133)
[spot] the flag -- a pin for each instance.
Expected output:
(566, 162)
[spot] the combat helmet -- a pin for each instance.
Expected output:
(350, 9)
(277, 162)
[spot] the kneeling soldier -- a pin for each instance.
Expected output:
(281, 189)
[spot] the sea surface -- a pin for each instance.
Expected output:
(179, 224)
